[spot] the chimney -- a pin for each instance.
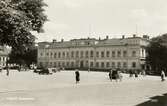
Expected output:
(54, 41)
(107, 37)
(134, 35)
(123, 36)
(62, 40)
(146, 37)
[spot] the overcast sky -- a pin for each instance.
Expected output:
(70, 19)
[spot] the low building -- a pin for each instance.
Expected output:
(91, 53)
(3, 56)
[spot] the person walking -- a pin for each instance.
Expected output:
(7, 71)
(77, 76)
(110, 75)
(162, 75)
(120, 75)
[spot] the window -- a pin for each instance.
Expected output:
(91, 53)
(113, 64)
(102, 64)
(108, 54)
(87, 53)
(108, 64)
(91, 64)
(97, 64)
(59, 55)
(67, 54)
(87, 63)
(47, 54)
(51, 54)
(102, 54)
(119, 54)
(124, 64)
(46, 63)
(67, 64)
(113, 53)
(133, 53)
(133, 64)
(50, 64)
(119, 64)
(77, 54)
(63, 64)
(40, 63)
(81, 54)
(124, 53)
(59, 64)
(55, 64)
(97, 54)
(63, 54)
(72, 64)
(72, 54)
(41, 54)
(55, 55)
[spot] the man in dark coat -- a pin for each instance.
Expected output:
(77, 76)
(110, 74)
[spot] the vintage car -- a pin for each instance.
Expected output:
(43, 71)
(115, 74)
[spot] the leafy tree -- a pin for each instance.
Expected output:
(27, 58)
(157, 51)
(18, 18)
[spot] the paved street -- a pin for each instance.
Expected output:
(95, 89)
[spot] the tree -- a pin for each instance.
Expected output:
(18, 18)
(27, 58)
(157, 51)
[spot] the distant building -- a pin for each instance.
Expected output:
(123, 53)
(3, 56)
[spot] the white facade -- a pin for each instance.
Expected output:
(3, 56)
(124, 53)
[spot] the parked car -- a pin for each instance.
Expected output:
(43, 71)
(114, 74)
(56, 69)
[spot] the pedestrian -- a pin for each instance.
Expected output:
(136, 73)
(162, 75)
(143, 73)
(110, 74)
(7, 71)
(130, 73)
(120, 75)
(77, 76)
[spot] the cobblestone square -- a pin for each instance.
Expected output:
(94, 89)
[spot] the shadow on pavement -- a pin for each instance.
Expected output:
(156, 101)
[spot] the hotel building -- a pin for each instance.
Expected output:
(90, 53)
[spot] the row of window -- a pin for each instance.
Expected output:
(2, 58)
(88, 54)
(92, 64)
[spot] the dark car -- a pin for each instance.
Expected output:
(114, 74)
(44, 71)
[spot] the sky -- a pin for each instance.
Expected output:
(74, 19)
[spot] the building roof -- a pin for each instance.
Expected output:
(89, 42)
